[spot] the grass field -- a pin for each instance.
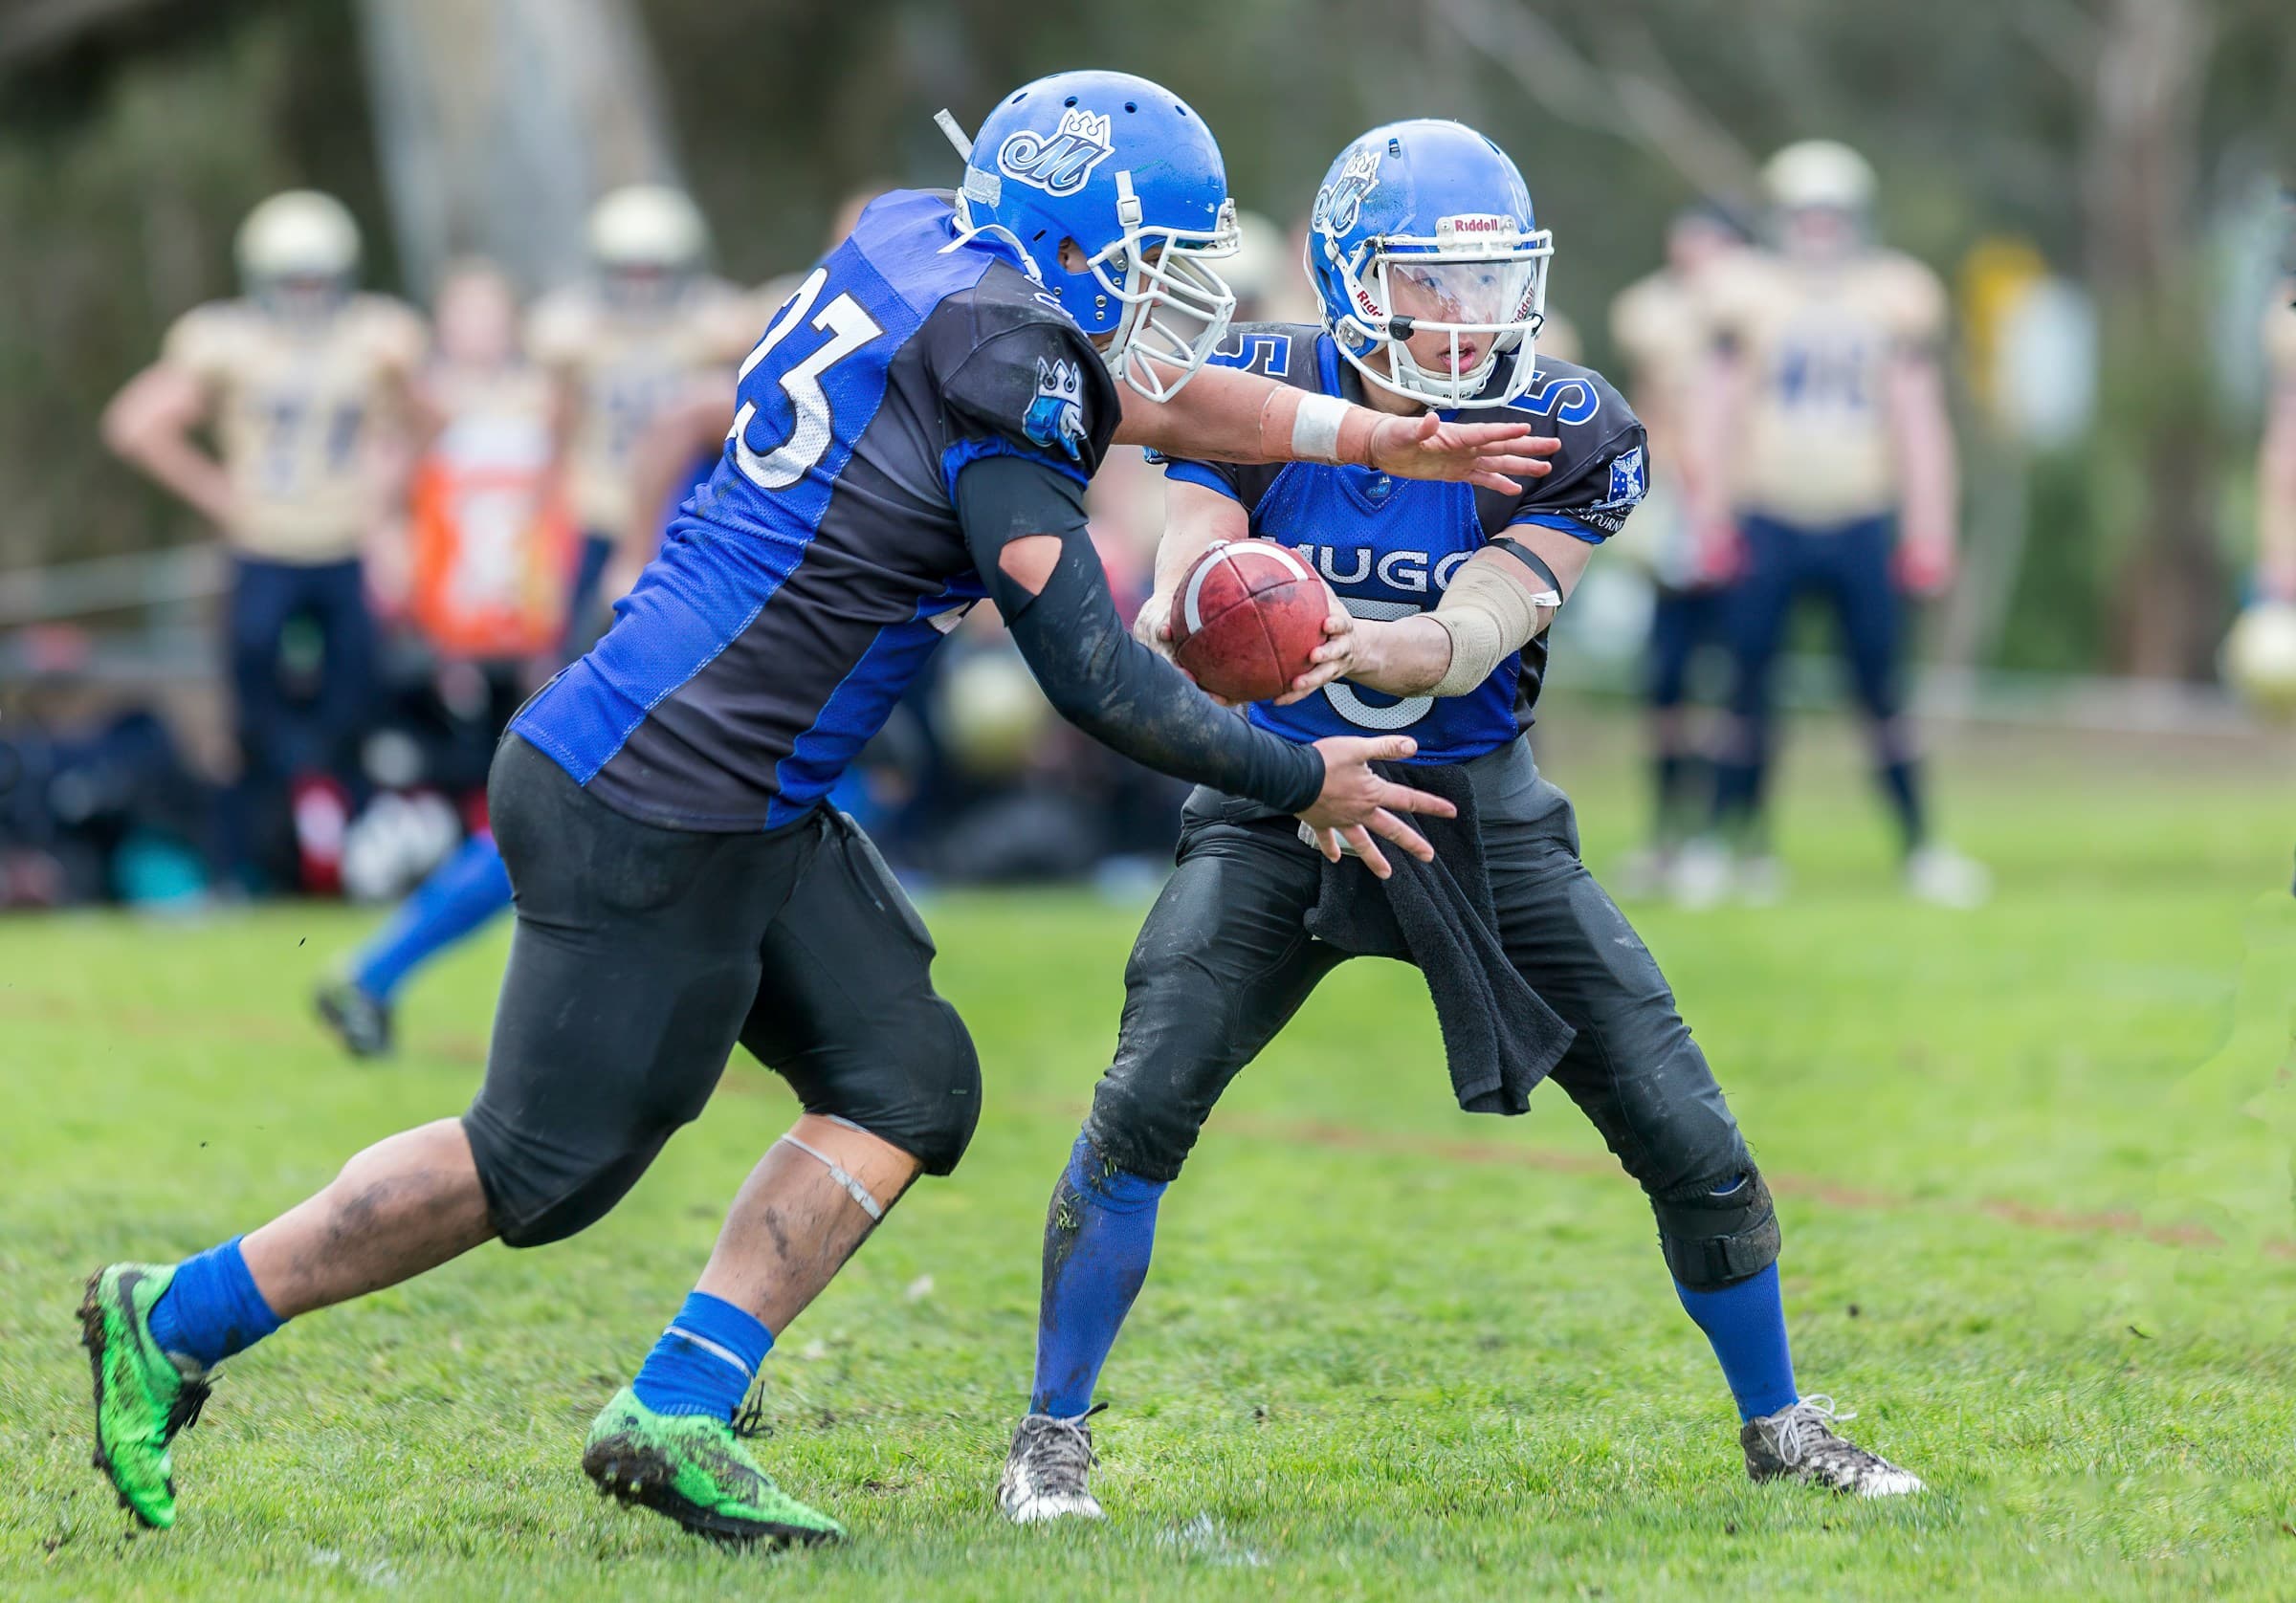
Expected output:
(2035, 1218)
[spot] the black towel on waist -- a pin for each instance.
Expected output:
(1500, 1037)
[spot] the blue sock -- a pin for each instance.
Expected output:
(211, 1310)
(463, 894)
(1747, 1325)
(705, 1360)
(1098, 1235)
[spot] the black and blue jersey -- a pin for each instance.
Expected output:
(804, 583)
(1389, 546)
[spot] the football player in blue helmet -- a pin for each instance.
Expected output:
(912, 435)
(1144, 291)
(1431, 270)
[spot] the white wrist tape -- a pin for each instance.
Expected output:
(1315, 428)
(1489, 618)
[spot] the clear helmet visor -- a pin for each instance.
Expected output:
(1473, 293)
(1449, 323)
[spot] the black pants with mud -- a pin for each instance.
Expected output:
(1223, 962)
(644, 954)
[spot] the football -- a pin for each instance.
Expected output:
(1247, 615)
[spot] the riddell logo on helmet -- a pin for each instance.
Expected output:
(1477, 226)
(1059, 163)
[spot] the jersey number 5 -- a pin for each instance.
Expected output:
(1398, 715)
(849, 328)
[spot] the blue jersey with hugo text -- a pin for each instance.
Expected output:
(804, 583)
(1390, 546)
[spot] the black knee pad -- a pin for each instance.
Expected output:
(948, 1107)
(918, 1085)
(1713, 1242)
(536, 1192)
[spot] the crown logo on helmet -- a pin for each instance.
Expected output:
(1059, 163)
(1341, 202)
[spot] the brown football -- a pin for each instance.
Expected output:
(1246, 616)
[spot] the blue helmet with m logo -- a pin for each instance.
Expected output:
(1113, 190)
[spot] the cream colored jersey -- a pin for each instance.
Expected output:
(1659, 326)
(292, 408)
(1558, 337)
(1818, 346)
(624, 367)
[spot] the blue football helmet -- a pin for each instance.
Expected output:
(1126, 169)
(1425, 227)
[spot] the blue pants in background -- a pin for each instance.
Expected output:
(1848, 567)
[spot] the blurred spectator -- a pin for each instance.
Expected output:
(1656, 325)
(622, 344)
(291, 378)
(2276, 463)
(1827, 457)
(492, 544)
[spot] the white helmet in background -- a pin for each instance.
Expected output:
(2260, 659)
(299, 246)
(1818, 173)
(647, 227)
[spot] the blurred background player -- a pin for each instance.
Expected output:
(1656, 324)
(622, 344)
(2276, 460)
(292, 379)
(637, 338)
(492, 561)
(1840, 479)
(2260, 653)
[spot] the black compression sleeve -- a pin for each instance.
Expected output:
(1095, 674)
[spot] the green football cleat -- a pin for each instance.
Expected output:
(143, 1397)
(693, 1468)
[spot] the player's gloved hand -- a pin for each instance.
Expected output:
(1355, 803)
(1483, 454)
(1924, 567)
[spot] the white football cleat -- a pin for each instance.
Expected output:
(1945, 878)
(1642, 874)
(1046, 1473)
(1760, 881)
(1701, 876)
(1798, 1444)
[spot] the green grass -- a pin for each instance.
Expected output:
(1388, 1350)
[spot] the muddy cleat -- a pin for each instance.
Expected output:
(142, 1395)
(693, 1468)
(357, 1020)
(1798, 1443)
(1047, 1472)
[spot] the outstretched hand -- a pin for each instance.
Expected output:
(1355, 803)
(1489, 455)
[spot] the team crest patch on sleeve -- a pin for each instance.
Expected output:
(1057, 416)
(1627, 481)
(1059, 163)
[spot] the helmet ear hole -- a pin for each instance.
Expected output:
(1072, 255)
